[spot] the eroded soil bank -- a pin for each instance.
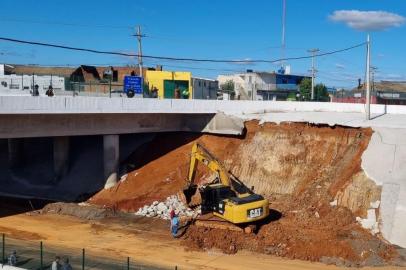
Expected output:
(311, 175)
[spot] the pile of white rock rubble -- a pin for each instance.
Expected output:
(162, 209)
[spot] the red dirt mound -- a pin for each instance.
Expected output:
(299, 167)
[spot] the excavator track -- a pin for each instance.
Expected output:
(213, 222)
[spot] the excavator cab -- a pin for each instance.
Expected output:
(213, 197)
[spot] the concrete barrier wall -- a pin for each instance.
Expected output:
(22, 104)
(384, 162)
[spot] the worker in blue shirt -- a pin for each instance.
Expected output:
(174, 225)
(12, 259)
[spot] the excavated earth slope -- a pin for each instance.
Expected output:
(301, 168)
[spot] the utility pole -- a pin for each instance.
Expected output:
(373, 71)
(313, 70)
(368, 90)
(139, 36)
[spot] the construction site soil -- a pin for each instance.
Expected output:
(301, 168)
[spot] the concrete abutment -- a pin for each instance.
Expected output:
(60, 156)
(111, 159)
(15, 152)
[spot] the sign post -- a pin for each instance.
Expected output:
(133, 85)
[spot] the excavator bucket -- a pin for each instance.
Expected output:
(190, 196)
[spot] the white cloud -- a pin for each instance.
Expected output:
(367, 20)
(246, 61)
(340, 66)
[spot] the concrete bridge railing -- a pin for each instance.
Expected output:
(58, 105)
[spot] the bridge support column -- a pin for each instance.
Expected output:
(111, 155)
(61, 157)
(15, 152)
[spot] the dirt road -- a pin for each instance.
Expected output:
(146, 242)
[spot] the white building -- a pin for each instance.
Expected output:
(23, 84)
(246, 84)
(262, 85)
(204, 88)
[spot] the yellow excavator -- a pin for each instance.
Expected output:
(226, 197)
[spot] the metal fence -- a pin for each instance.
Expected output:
(94, 88)
(36, 255)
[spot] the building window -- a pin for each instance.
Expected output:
(14, 86)
(200, 83)
(204, 84)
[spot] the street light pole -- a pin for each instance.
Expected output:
(368, 86)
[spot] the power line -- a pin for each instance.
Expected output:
(343, 74)
(159, 37)
(216, 44)
(350, 81)
(175, 58)
(202, 68)
(341, 59)
(74, 64)
(148, 62)
(65, 24)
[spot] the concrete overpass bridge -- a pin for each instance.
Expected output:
(63, 117)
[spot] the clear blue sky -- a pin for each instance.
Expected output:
(203, 29)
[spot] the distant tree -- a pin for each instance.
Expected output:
(291, 97)
(228, 86)
(320, 91)
(305, 89)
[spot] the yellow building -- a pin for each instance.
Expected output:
(167, 81)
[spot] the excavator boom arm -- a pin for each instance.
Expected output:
(200, 154)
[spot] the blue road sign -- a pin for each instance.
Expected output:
(133, 83)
